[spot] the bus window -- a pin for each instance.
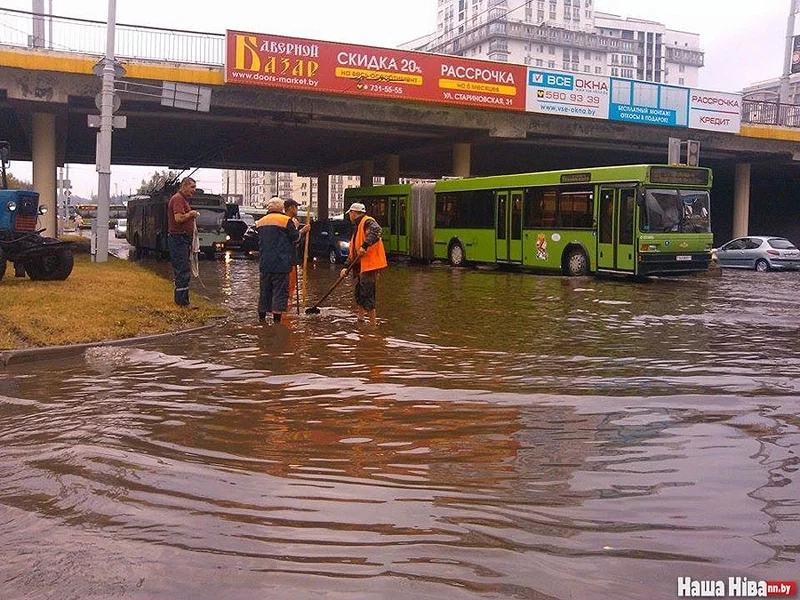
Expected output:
(540, 208)
(516, 216)
(627, 204)
(660, 211)
(446, 210)
(606, 233)
(575, 208)
(501, 216)
(695, 211)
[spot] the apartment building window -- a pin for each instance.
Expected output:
(540, 5)
(540, 16)
(529, 11)
(567, 54)
(681, 81)
(614, 72)
(628, 73)
(587, 68)
(598, 70)
(551, 64)
(626, 59)
(576, 13)
(587, 55)
(553, 9)
(551, 49)
(576, 56)
(575, 66)
(681, 68)
(541, 48)
(539, 62)
(615, 59)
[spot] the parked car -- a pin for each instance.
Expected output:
(236, 228)
(121, 228)
(330, 239)
(762, 253)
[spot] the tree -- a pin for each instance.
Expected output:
(18, 184)
(157, 182)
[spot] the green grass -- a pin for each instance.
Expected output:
(98, 301)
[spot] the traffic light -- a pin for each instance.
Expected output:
(693, 153)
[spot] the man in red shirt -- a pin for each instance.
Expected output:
(181, 229)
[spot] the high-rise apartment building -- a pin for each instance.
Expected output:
(255, 188)
(566, 35)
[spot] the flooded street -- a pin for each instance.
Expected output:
(497, 435)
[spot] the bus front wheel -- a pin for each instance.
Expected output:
(576, 263)
(456, 255)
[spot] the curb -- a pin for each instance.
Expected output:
(10, 357)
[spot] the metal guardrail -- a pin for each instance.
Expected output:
(67, 34)
(764, 112)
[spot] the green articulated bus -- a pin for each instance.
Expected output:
(633, 219)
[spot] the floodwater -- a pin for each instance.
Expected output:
(497, 435)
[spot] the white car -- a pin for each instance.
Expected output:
(121, 228)
(762, 253)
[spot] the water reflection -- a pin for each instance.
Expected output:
(497, 435)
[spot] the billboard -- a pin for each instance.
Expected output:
(572, 95)
(648, 103)
(292, 63)
(715, 111)
(796, 54)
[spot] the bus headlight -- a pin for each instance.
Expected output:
(344, 245)
(42, 210)
(12, 206)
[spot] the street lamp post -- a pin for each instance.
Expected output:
(103, 159)
(794, 6)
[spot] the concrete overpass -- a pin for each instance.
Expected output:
(46, 96)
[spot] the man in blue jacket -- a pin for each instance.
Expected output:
(277, 235)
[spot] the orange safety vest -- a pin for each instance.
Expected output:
(375, 258)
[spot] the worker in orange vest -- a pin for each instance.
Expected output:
(367, 246)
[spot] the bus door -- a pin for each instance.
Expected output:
(398, 228)
(508, 226)
(615, 236)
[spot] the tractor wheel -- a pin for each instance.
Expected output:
(54, 266)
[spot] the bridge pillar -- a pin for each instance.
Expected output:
(323, 195)
(367, 173)
(44, 167)
(392, 169)
(461, 159)
(741, 200)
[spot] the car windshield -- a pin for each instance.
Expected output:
(341, 230)
(248, 219)
(781, 244)
(685, 211)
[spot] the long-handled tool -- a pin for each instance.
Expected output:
(305, 253)
(314, 310)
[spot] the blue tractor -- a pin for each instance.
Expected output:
(42, 258)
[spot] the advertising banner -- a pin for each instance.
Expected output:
(715, 111)
(648, 103)
(309, 65)
(568, 94)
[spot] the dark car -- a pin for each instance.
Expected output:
(330, 239)
(762, 253)
(236, 228)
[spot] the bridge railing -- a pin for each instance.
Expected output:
(67, 34)
(765, 112)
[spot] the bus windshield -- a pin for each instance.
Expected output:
(670, 210)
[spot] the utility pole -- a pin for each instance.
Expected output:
(38, 23)
(794, 6)
(103, 160)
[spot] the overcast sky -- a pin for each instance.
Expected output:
(741, 45)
